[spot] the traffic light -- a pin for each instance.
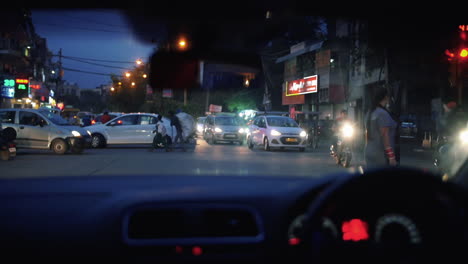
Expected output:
(463, 53)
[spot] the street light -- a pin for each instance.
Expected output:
(112, 89)
(139, 62)
(133, 83)
(127, 74)
(144, 76)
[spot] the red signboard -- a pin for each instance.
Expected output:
(22, 81)
(215, 108)
(302, 86)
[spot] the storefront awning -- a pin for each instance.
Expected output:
(308, 48)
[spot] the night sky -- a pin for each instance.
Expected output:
(97, 34)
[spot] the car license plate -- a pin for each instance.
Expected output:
(291, 139)
(230, 136)
(12, 149)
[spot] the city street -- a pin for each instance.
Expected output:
(201, 159)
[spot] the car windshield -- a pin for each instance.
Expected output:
(226, 121)
(281, 122)
(54, 118)
(267, 66)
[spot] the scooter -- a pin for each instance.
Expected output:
(342, 152)
(7, 144)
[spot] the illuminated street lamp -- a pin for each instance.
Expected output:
(139, 62)
(127, 74)
(144, 75)
(133, 83)
(112, 89)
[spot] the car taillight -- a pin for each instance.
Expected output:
(93, 122)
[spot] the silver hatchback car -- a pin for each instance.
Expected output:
(42, 129)
(224, 128)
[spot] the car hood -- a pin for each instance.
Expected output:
(288, 130)
(80, 130)
(229, 128)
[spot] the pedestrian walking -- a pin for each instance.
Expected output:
(161, 138)
(175, 122)
(380, 133)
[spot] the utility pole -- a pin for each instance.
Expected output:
(60, 75)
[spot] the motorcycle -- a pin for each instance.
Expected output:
(7, 144)
(342, 152)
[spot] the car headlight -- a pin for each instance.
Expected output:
(76, 133)
(200, 128)
(218, 130)
(275, 133)
(303, 134)
(464, 136)
(243, 130)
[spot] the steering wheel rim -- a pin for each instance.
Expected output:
(316, 210)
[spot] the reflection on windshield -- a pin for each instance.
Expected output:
(54, 118)
(226, 121)
(281, 122)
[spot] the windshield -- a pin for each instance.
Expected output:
(262, 70)
(281, 122)
(227, 121)
(55, 118)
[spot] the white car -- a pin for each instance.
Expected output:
(273, 131)
(135, 128)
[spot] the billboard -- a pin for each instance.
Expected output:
(215, 108)
(7, 88)
(302, 86)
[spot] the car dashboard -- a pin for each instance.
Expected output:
(178, 219)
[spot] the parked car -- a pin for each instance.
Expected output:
(224, 127)
(135, 128)
(272, 131)
(97, 119)
(42, 129)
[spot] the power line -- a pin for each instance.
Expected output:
(89, 59)
(88, 72)
(97, 64)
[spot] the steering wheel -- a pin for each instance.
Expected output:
(387, 215)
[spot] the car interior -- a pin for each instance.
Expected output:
(377, 216)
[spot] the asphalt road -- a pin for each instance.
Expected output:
(199, 159)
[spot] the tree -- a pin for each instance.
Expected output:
(91, 101)
(129, 92)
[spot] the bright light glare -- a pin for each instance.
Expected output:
(303, 134)
(348, 130)
(76, 133)
(200, 128)
(464, 53)
(218, 130)
(464, 136)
